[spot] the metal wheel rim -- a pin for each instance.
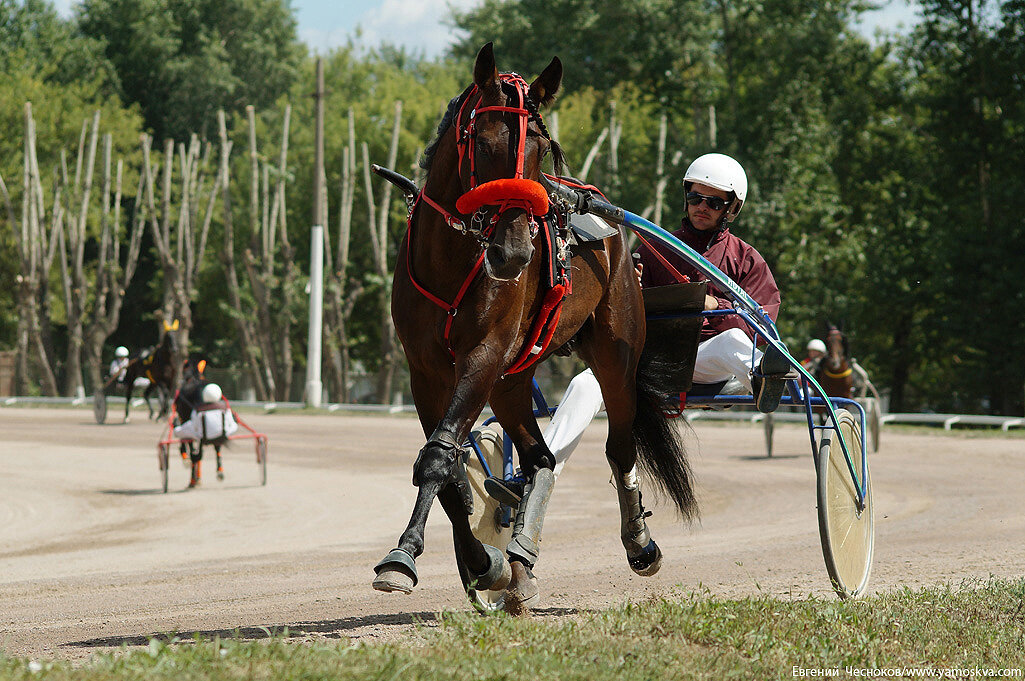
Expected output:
(848, 537)
(262, 444)
(164, 465)
(100, 406)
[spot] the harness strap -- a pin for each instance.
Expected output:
(450, 220)
(842, 374)
(450, 308)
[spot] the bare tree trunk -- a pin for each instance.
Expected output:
(591, 154)
(660, 167)
(36, 260)
(75, 284)
(112, 279)
(340, 300)
(242, 323)
(386, 377)
(615, 132)
(260, 278)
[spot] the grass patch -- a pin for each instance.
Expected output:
(977, 624)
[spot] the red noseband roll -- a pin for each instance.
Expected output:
(497, 192)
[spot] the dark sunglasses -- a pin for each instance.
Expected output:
(714, 202)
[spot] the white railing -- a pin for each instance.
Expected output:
(948, 421)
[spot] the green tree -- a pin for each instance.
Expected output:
(182, 60)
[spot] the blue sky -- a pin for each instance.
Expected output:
(417, 24)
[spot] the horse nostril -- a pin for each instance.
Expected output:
(496, 257)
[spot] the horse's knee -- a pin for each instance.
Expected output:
(438, 465)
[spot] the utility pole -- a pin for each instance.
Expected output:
(314, 386)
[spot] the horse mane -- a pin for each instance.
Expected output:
(446, 120)
(451, 111)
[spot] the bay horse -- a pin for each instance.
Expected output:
(834, 373)
(476, 305)
(187, 400)
(158, 365)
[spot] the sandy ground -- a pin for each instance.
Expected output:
(93, 556)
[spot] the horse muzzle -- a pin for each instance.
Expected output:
(505, 263)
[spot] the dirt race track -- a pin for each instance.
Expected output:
(93, 555)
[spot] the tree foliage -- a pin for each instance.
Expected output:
(182, 60)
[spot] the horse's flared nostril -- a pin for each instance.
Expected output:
(504, 265)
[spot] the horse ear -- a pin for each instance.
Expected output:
(485, 73)
(544, 87)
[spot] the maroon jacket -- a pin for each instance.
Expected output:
(738, 260)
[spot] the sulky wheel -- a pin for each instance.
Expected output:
(487, 514)
(163, 452)
(100, 405)
(261, 458)
(847, 534)
(769, 424)
(873, 420)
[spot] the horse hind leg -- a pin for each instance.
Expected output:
(197, 464)
(220, 466)
(642, 553)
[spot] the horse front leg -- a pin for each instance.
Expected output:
(146, 396)
(440, 472)
(511, 402)
(129, 387)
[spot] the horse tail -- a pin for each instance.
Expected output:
(660, 448)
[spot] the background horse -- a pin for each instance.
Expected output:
(477, 237)
(834, 372)
(187, 400)
(157, 365)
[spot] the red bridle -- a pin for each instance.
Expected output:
(515, 192)
(506, 193)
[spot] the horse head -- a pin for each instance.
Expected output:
(835, 370)
(501, 140)
(169, 343)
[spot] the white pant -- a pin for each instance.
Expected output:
(211, 424)
(720, 358)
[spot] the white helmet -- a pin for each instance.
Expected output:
(121, 351)
(211, 393)
(722, 172)
(816, 344)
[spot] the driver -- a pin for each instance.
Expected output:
(716, 188)
(816, 351)
(120, 364)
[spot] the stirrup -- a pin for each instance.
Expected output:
(770, 379)
(509, 492)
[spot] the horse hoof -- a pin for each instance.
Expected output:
(397, 572)
(499, 572)
(523, 593)
(220, 475)
(391, 581)
(648, 561)
(127, 419)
